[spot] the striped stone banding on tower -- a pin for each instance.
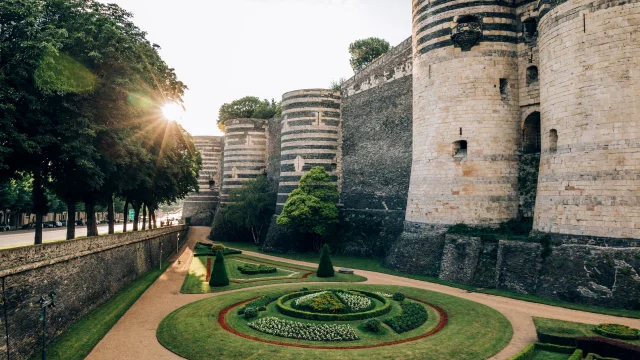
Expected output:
(311, 133)
(434, 22)
(210, 148)
(245, 153)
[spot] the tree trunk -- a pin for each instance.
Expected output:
(155, 225)
(71, 220)
(39, 205)
(92, 225)
(136, 215)
(144, 217)
(126, 216)
(110, 215)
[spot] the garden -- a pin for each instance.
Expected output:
(344, 320)
(242, 271)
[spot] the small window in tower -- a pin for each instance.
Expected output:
(460, 149)
(553, 141)
(234, 173)
(532, 75)
(530, 29)
(504, 89)
(212, 184)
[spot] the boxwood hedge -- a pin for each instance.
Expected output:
(289, 311)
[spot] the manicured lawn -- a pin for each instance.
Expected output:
(371, 264)
(474, 331)
(78, 341)
(569, 329)
(196, 280)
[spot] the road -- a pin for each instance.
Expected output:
(25, 237)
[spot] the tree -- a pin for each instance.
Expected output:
(311, 208)
(251, 207)
(364, 52)
(219, 275)
(325, 267)
(247, 107)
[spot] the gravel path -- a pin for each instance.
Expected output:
(134, 336)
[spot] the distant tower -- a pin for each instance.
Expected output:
(201, 206)
(245, 153)
(310, 137)
(466, 114)
(589, 181)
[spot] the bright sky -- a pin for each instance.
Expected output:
(227, 49)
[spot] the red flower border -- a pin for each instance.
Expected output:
(444, 320)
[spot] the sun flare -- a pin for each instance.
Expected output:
(173, 112)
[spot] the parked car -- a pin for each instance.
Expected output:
(63, 223)
(80, 222)
(28, 226)
(5, 227)
(49, 224)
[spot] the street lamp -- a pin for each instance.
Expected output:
(46, 301)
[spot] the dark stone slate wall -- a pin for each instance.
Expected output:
(517, 266)
(274, 129)
(376, 151)
(485, 274)
(83, 273)
(418, 250)
(460, 258)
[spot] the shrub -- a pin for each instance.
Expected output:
(617, 331)
(219, 275)
(304, 289)
(250, 313)
(372, 325)
(413, 316)
(260, 303)
(253, 269)
(217, 247)
(325, 268)
(325, 303)
(577, 355)
(608, 347)
(525, 354)
(398, 296)
(289, 311)
(228, 251)
(593, 356)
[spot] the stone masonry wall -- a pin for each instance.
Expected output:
(376, 152)
(201, 206)
(83, 273)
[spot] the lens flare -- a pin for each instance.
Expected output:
(173, 112)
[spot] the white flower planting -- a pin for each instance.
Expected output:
(304, 331)
(302, 299)
(383, 294)
(354, 302)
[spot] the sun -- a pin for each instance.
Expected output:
(173, 112)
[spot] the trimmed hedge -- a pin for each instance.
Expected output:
(289, 311)
(577, 355)
(219, 275)
(608, 347)
(412, 317)
(252, 269)
(593, 356)
(525, 354)
(260, 303)
(616, 331)
(556, 339)
(325, 268)
(528, 352)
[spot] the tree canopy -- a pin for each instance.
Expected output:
(248, 107)
(311, 208)
(365, 51)
(82, 89)
(251, 207)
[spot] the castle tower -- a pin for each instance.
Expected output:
(310, 137)
(589, 180)
(466, 114)
(245, 153)
(201, 206)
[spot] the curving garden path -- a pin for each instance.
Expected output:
(134, 336)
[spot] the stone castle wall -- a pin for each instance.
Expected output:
(201, 206)
(83, 273)
(376, 151)
(590, 90)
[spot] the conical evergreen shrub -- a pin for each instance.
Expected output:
(325, 268)
(219, 275)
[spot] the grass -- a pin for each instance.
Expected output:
(474, 331)
(569, 329)
(548, 355)
(196, 283)
(78, 341)
(371, 264)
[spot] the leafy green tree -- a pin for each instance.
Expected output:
(247, 107)
(251, 207)
(311, 208)
(364, 52)
(325, 267)
(219, 275)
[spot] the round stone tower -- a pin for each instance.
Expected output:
(589, 182)
(466, 115)
(310, 137)
(245, 153)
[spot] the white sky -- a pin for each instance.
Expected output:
(227, 49)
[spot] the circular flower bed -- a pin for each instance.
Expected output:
(333, 305)
(616, 331)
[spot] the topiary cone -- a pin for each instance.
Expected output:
(219, 275)
(325, 268)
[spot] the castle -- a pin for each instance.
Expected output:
(492, 110)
